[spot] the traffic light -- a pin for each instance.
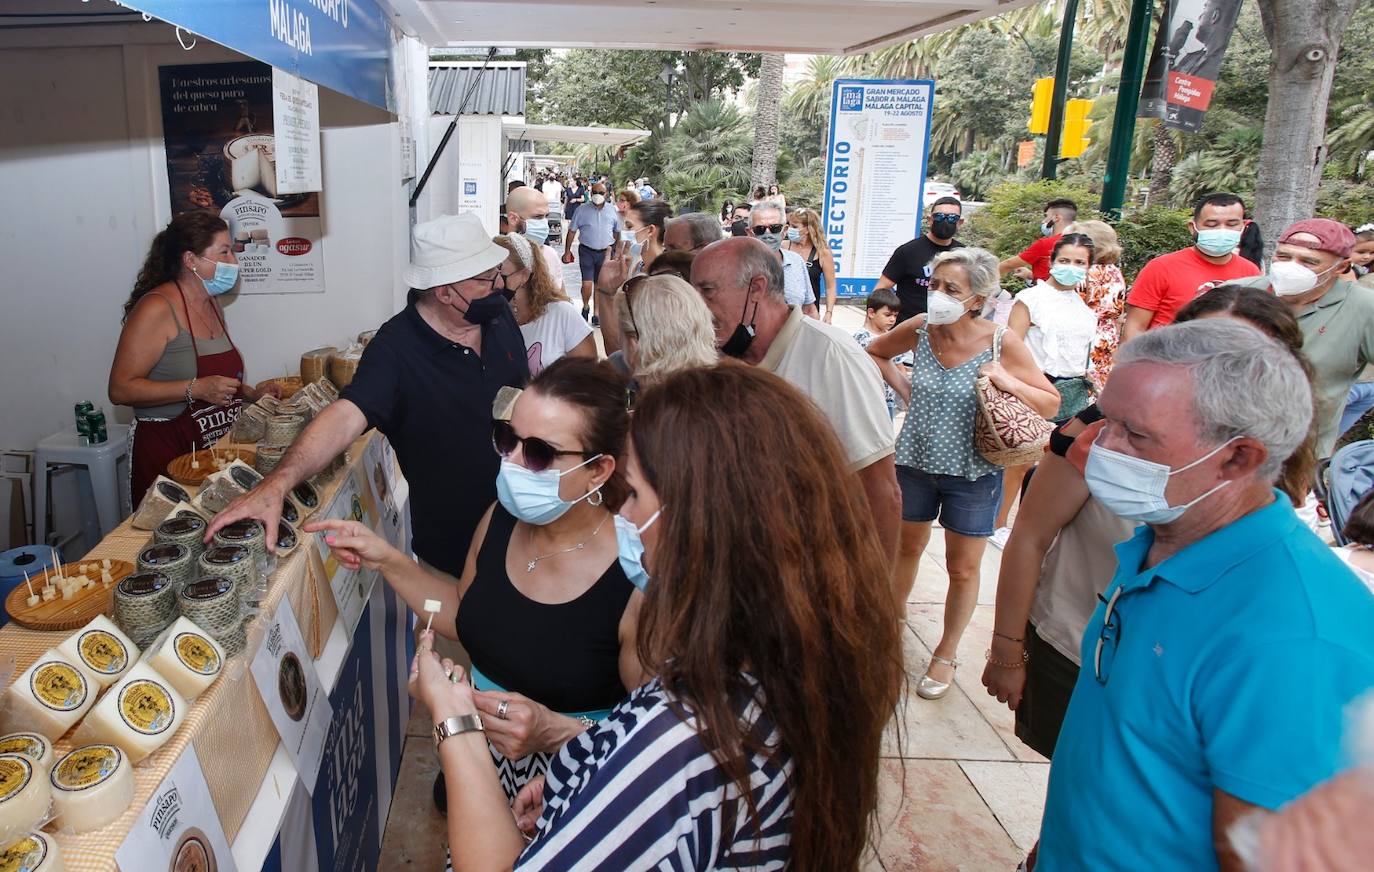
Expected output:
(1042, 96)
(1075, 140)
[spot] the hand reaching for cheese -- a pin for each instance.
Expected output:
(354, 544)
(217, 390)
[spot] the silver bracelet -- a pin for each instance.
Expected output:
(189, 386)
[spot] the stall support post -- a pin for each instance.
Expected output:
(1050, 168)
(1127, 101)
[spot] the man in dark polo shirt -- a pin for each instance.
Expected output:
(908, 269)
(427, 381)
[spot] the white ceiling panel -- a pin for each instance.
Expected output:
(810, 26)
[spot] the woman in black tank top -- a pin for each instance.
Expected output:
(543, 606)
(805, 237)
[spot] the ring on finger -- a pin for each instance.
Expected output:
(502, 709)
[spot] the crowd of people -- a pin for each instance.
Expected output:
(674, 569)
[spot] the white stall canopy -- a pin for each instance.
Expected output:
(808, 26)
(612, 137)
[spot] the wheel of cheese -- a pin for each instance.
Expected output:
(36, 852)
(139, 714)
(35, 746)
(103, 649)
(187, 656)
(24, 796)
(51, 695)
(91, 786)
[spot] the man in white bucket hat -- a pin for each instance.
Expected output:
(427, 381)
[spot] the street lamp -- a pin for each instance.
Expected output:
(670, 71)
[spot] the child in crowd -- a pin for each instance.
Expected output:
(881, 316)
(1362, 258)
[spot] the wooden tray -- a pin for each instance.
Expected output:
(72, 614)
(289, 384)
(181, 472)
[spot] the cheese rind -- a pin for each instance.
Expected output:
(91, 786)
(51, 695)
(187, 656)
(103, 649)
(139, 714)
(25, 797)
(35, 852)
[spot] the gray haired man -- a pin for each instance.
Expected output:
(1218, 665)
(692, 232)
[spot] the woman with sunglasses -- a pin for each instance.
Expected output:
(804, 237)
(776, 662)
(543, 606)
(550, 324)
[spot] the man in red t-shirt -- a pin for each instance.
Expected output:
(1171, 281)
(1036, 258)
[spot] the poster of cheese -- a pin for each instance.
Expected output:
(221, 156)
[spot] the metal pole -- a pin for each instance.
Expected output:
(1050, 168)
(1127, 101)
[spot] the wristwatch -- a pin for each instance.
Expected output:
(449, 727)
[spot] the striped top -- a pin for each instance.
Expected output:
(640, 791)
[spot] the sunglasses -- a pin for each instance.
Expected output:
(1108, 640)
(538, 454)
(946, 217)
(627, 289)
(761, 229)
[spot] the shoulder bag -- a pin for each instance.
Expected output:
(1006, 431)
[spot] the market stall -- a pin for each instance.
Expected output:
(233, 746)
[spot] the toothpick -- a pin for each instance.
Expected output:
(433, 607)
(26, 582)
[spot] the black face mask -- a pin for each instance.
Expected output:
(743, 337)
(942, 229)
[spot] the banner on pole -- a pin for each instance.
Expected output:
(874, 175)
(1189, 48)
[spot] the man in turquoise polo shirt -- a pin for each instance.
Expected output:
(1217, 670)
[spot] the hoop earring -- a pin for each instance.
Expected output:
(595, 499)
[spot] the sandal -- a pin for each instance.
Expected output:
(929, 688)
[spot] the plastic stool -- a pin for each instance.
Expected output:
(97, 474)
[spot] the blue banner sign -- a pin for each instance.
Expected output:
(874, 174)
(344, 45)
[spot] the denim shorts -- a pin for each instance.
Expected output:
(590, 261)
(966, 507)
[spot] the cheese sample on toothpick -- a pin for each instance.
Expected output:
(51, 695)
(91, 786)
(35, 746)
(138, 714)
(103, 649)
(25, 796)
(187, 656)
(35, 852)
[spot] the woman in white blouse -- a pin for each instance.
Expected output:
(1059, 329)
(550, 324)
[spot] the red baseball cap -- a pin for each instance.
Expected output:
(1332, 236)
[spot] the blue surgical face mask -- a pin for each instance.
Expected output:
(793, 234)
(1068, 274)
(1217, 241)
(631, 238)
(537, 229)
(226, 276)
(1047, 229)
(533, 496)
(1133, 488)
(627, 537)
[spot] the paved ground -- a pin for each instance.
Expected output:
(960, 792)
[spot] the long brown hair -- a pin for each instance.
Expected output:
(766, 562)
(812, 222)
(1265, 311)
(189, 231)
(541, 290)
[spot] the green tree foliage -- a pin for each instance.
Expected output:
(707, 156)
(1011, 219)
(976, 174)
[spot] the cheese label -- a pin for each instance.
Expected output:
(103, 652)
(226, 555)
(181, 525)
(196, 653)
(144, 583)
(15, 773)
(24, 855)
(241, 531)
(86, 767)
(22, 743)
(289, 513)
(305, 495)
(58, 686)
(146, 706)
(172, 492)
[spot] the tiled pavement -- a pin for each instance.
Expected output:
(959, 791)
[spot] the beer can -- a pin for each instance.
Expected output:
(82, 410)
(95, 427)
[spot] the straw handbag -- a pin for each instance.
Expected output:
(1006, 431)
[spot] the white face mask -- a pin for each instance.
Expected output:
(1289, 278)
(598, 199)
(1133, 488)
(941, 308)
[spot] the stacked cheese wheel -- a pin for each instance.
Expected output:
(145, 603)
(213, 603)
(234, 562)
(182, 529)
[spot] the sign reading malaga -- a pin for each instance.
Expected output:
(343, 45)
(875, 174)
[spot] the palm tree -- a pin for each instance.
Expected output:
(1353, 139)
(766, 120)
(708, 153)
(809, 99)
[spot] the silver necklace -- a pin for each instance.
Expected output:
(529, 567)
